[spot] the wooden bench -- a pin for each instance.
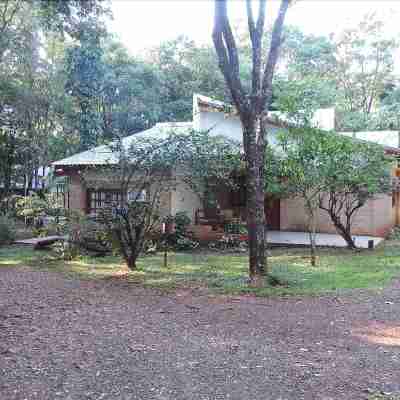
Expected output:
(40, 242)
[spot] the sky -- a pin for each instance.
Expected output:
(145, 23)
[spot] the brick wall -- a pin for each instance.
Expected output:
(77, 193)
(376, 218)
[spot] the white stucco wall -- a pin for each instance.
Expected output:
(221, 123)
(183, 199)
(384, 138)
(227, 125)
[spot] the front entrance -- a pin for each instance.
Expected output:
(273, 213)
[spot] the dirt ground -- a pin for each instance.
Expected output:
(69, 339)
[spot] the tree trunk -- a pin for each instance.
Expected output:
(165, 258)
(344, 231)
(255, 204)
(346, 235)
(131, 262)
(312, 233)
(251, 107)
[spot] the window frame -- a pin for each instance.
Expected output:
(102, 197)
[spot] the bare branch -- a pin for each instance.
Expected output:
(250, 19)
(256, 35)
(225, 46)
(273, 55)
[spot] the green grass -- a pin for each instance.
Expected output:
(337, 269)
(384, 397)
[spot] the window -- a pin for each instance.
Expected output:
(61, 191)
(98, 199)
(134, 195)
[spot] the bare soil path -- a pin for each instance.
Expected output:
(62, 338)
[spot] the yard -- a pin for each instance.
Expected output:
(338, 269)
(78, 330)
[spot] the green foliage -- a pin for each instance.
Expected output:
(334, 173)
(35, 206)
(209, 161)
(7, 230)
(364, 65)
(184, 68)
(85, 72)
(176, 236)
(350, 70)
(230, 242)
(182, 221)
(58, 96)
(184, 243)
(31, 206)
(307, 55)
(9, 205)
(387, 117)
(301, 98)
(274, 184)
(34, 105)
(395, 233)
(235, 228)
(65, 16)
(156, 165)
(330, 162)
(84, 235)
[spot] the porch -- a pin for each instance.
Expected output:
(208, 233)
(323, 239)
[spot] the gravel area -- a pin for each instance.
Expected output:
(69, 339)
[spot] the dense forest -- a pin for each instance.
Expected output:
(67, 83)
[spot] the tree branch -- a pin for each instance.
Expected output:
(228, 59)
(256, 31)
(273, 55)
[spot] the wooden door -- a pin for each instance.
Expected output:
(273, 213)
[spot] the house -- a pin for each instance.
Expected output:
(376, 218)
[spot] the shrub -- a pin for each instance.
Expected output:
(394, 234)
(85, 234)
(9, 205)
(178, 239)
(50, 229)
(184, 243)
(35, 207)
(230, 242)
(235, 228)
(66, 250)
(182, 221)
(7, 230)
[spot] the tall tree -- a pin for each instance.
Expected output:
(33, 100)
(8, 16)
(350, 70)
(86, 80)
(66, 16)
(252, 106)
(364, 66)
(184, 68)
(301, 164)
(131, 99)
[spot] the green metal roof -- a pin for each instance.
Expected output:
(103, 155)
